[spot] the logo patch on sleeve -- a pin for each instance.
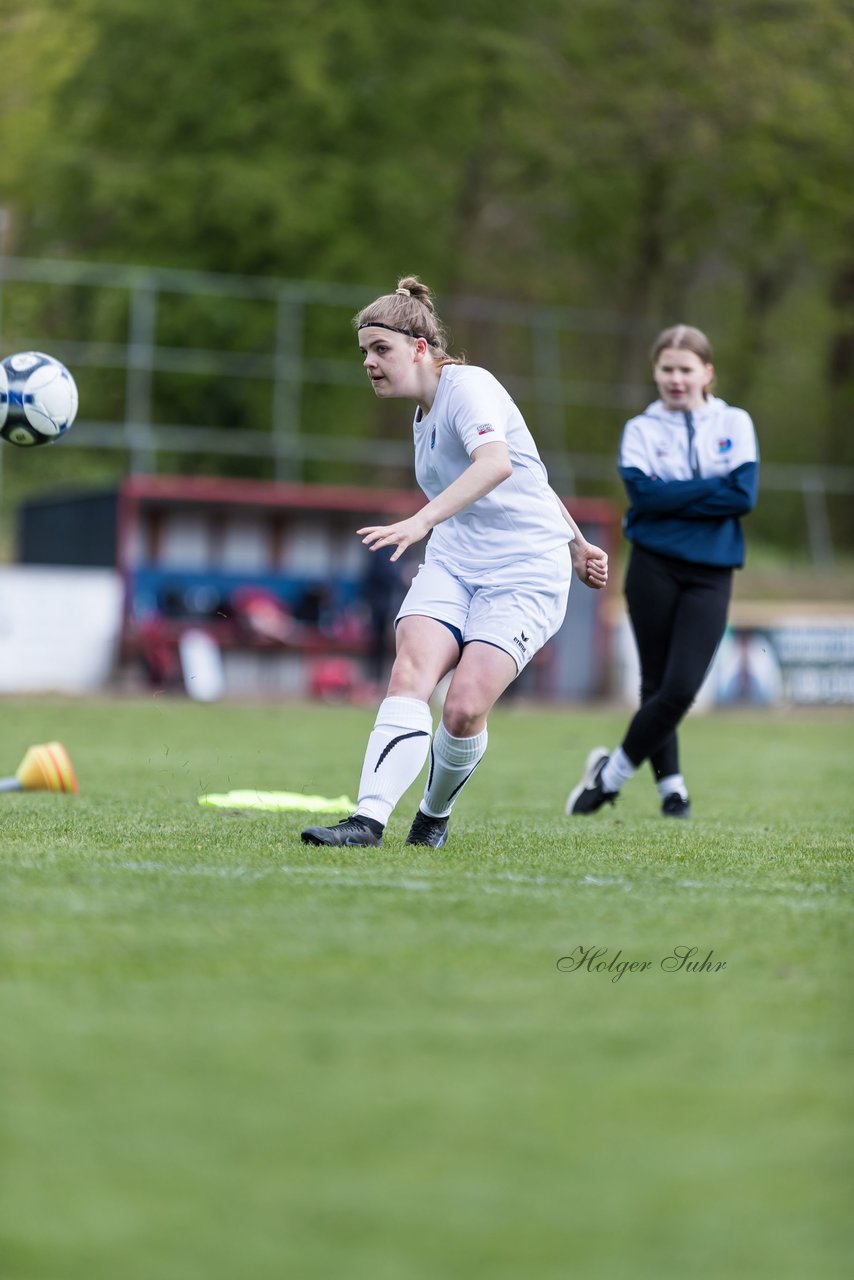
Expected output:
(484, 428)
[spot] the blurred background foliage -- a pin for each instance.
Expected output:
(655, 159)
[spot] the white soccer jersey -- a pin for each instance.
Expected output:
(518, 519)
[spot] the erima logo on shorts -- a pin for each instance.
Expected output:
(521, 642)
(484, 428)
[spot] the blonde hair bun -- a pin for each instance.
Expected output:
(412, 287)
(409, 310)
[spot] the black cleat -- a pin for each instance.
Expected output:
(350, 831)
(676, 806)
(588, 796)
(427, 830)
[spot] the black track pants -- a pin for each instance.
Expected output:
(678, 613)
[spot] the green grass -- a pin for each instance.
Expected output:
(225, 1054)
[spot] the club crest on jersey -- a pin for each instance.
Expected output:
(724, 444)
(433, 438)
(484, 428)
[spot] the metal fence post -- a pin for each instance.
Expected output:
(138, 383)
(548, 383)
(818, 524)
(287, 385)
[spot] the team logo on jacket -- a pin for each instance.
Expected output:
(484, 428)
(724, 444)
(433, 438)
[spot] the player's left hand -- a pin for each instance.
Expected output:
(590, 563)
(401, 535)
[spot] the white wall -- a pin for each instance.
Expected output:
(772, 654)
(59, 628)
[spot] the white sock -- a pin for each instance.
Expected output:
(452, 762)
(675, 782)
(395, 755)
(617, 771)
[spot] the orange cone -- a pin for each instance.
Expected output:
(46, 767)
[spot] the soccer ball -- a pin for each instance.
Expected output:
(38, 399)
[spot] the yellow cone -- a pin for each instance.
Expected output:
(47, 767)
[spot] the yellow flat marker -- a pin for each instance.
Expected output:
(279, 800)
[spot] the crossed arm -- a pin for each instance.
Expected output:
(730, 495)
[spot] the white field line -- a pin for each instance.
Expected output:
(347, 878)
(500, 882)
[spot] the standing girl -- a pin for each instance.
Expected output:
(494, 584)
(690, 466)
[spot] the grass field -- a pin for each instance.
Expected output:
(225, 1054)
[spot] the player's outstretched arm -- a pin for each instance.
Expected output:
(490, 466)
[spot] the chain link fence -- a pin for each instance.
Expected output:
(154, 340)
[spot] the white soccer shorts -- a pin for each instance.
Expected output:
(517, 608)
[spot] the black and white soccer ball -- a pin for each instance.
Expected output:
(38, 399)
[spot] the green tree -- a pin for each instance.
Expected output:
(647, 157)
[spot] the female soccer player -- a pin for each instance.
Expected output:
(690, 466)
(495, 579)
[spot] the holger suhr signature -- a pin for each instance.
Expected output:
(681, 959)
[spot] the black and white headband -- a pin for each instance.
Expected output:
(409, 333)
